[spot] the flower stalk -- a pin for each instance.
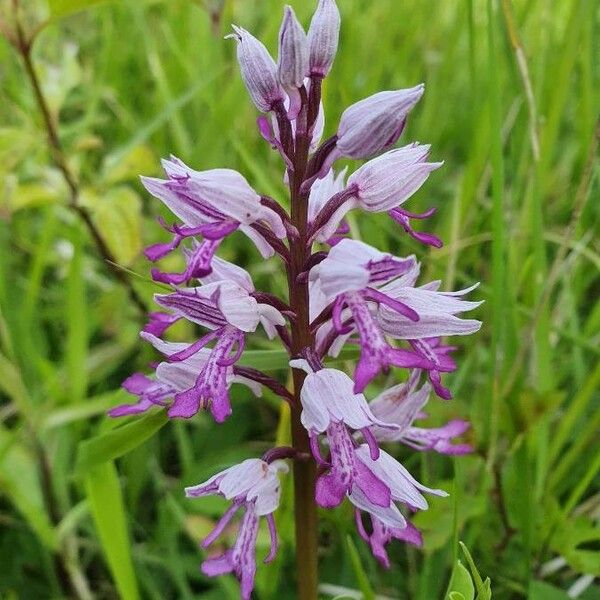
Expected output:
(302, 337)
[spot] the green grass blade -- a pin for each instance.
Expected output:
(359, 571)
(106, 504)
(499, 301)
(113, 444)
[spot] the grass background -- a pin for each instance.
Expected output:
(94, 508)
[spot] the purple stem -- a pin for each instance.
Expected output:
(264, 379)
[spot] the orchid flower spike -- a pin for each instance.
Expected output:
(344, 291)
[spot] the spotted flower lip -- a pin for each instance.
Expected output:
(388, 522)
(252, 486)
(258, 70)
(174, 378)
(330, 406)
(323, 36)
(376, 122)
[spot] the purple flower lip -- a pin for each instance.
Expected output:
(252, 486)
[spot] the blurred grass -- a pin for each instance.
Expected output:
(513, 91)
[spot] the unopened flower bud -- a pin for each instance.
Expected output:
(258, 70)
(323, 37)
(387, 181)
(376, 122)
(292, 65)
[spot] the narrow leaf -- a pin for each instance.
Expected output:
(359, 571)
(119, 441)
(106, 503)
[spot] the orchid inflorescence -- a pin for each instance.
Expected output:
(346, 292)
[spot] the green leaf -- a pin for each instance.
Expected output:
(461, 585)
(33, 195)
(137, 160)
(11, 383)
(482, 587)
(90, 407)
(117, 214)
(359, 571)
(15, 144)
(570, 534)
(106, 503)
(119, 441)
(539, 590)
(19, 481)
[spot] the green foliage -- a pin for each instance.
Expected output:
(359, 572)
(61, 8)
(91, 506)
(106, 503)
(465, 585)
(461, 584)
(119, 441)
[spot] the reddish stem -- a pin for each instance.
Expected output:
(304, 471)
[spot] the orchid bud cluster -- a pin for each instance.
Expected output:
(341, 291)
